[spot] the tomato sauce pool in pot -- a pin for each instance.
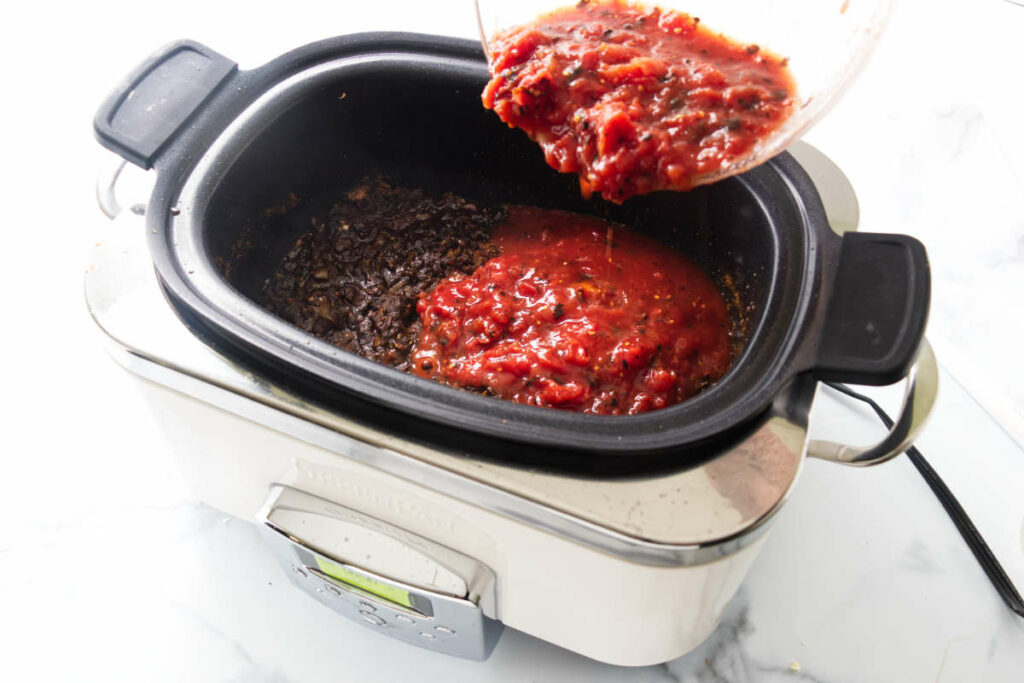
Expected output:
(576, 314)
(635, 99)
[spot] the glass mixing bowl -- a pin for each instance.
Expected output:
(827, 43)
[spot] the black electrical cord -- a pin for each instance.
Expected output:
(1007, 591)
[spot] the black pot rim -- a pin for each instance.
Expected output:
(324, 371)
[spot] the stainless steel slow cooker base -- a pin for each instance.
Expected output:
(670, 519)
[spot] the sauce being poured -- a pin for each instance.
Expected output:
(579, 315)
(635, 99)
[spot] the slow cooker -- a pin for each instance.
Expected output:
(439, 516)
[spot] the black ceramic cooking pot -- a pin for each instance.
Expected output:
(228, 146)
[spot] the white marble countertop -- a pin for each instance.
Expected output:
(111, 571)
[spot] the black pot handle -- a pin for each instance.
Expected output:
(878, 310)
(148, 109)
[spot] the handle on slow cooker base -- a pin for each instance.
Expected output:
(149, 107)
(874, 334)
(106, 187)
(922, 386)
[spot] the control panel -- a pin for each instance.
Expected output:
(381, 576)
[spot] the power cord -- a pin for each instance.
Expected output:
(1003, 585)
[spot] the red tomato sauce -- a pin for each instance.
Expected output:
(579, 315)
(635, 99)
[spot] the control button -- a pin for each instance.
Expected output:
(372, 618)
(300, 571)
(332, 590)
(445, 630)
(427, 636)
(405, 619)
(363, 605)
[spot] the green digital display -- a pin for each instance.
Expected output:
(364, 583)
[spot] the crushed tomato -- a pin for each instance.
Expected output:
(576, 314)
(635, 99)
